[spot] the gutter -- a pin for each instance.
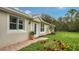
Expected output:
(16, 12)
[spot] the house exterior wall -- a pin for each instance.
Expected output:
(46, 30)
(8, 37)
(37, 28)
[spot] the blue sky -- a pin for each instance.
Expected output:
(52, 11)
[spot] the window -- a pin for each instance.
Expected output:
(35, 28)
(16, 23)
(42, 27)
(13, 22)
(20, 24)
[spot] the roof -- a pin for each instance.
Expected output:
(15, 11)
(40, 19)
(35, 16)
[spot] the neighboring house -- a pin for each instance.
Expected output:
(15, 26)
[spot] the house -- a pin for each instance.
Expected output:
(16, 25)
(39, 26)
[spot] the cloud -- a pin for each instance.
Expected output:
(28, 11)
(16, 8)
(60, 8)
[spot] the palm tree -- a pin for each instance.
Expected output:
(77, 16)
(71, 14)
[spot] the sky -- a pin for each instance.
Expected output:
(52, 11)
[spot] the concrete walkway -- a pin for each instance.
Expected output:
(18, 46)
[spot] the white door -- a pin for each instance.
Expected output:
(37, 29)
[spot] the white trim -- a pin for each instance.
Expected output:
(16, 30)
(14, 11)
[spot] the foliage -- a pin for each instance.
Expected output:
(47, 18)
(69, 22)
(54, 45)
(32, 33)
(69, 39)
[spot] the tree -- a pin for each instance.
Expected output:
(71, 14)
(70, 22)
(47, 18)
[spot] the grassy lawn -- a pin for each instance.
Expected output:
(70, 39)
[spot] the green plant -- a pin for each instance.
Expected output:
(32, 33)
(43, 41)
(69, 41)
(55, 45)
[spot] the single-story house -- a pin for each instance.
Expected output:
(16, 25)
(39, 26)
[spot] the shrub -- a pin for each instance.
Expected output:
(32, 33)
(54, 45)
(43, 41)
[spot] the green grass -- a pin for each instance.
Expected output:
(70, 39)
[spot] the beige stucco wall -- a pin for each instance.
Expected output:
(8, 37)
